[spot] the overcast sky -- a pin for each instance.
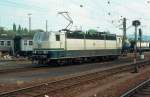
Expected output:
(98, 14)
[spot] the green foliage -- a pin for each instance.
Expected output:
(25, 30)
(14, 27)
(92, 31)
(2, 30)
(19, 31)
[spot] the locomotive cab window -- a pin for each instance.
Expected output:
(45, 36)
(57, 37)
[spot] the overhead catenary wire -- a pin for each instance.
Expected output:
(102, 10)
(24, 6)
(108, 8)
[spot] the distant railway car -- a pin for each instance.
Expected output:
(145, 46)
(6, 44)
(23, 45)
(75, 45)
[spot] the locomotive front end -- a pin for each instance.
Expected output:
(41, 43)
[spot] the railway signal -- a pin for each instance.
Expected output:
(140, 39)
(124, 35)
(136, 23)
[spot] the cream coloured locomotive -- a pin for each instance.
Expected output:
(75, 45)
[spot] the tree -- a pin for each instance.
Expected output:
(92, 31)
(19, 30)
(14, 27)
(1, 29)
(25, 30)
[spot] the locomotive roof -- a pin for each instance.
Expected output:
(87, 35)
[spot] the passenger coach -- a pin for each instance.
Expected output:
(6, 45)
(23, 45)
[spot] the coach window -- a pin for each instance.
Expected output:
(8, 43)
(25, 42)
(2, 43)
(57, 37)
(30, 42)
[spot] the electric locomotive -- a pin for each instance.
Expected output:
(75, 45)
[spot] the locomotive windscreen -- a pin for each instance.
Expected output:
(41, 36)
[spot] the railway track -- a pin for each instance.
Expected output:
(40, 67)
(5, 60)
(56, 86)
(31, 68)
(17, 70)
(142, 90)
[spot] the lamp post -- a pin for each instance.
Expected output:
(46, 26)
(29, 14)
(135, 23)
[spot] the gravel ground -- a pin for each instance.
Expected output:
(116, 85)
(112, 86)
(23, 79)
(54, 72)
(15, 64)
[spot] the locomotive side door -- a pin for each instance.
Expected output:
(62, 44)
(62, 40)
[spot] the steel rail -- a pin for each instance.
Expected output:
(133, 91)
